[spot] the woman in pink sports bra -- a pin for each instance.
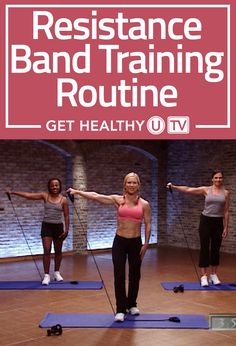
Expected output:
(132, 210)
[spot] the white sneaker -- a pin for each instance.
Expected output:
(46, 279)
(134, 311)
(204, 281)
(213, 279)
(57, 276)
(119, 317)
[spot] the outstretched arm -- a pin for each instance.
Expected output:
(29, 195)
(94, 196)
(201, 190)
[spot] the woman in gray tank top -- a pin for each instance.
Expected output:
(55, 225)
(213, 224)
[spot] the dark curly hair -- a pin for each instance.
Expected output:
(49, 182)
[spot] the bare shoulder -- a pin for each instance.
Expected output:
(205, 189)
(117, 199)
(227, 193)
(44, 195)
(64, 200)
(145, 203)
(200, 190)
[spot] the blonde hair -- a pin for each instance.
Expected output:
(132, 174)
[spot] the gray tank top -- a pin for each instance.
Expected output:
(214, 204)
(53, 212)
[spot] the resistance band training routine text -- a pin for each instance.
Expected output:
(107, 36)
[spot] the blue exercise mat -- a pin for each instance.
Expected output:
(147, 321)
(191, 286)
(54, 285)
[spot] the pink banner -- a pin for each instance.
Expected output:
(117, 71)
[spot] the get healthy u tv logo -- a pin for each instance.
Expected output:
(175, 125)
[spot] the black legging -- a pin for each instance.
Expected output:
(210, 231)
(120, 249)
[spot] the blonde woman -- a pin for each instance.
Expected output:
(131, 211)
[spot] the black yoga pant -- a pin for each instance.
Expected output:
(122, 249)
(210, 232)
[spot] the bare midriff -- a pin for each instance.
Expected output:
(128, 228)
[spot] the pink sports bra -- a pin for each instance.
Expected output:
(132, 214)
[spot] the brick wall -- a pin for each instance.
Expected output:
(27, 166)
(101, 166)
(102, 169)
(191, 163)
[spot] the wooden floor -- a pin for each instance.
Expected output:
(21, 311)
